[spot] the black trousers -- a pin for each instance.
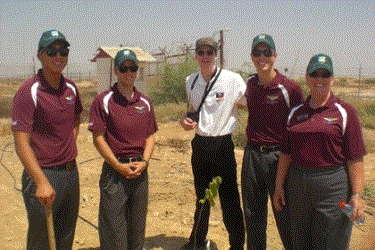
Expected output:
(214, 156)
(122, 210)
(317, 222)
(64, 209)
(257, 184)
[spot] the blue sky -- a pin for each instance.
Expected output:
(345, 30)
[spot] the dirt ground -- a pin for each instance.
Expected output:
(171, 197)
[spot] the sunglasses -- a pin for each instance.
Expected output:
(207, 52)
(124, 69)
(324, 74)
(258, 52)
(52, 51)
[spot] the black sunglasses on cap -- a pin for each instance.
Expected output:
(258, 52)
(207, 52)
(325, 74)
(124, 69)
(52, 51)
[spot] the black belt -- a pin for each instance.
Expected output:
(265, 148)
(65, 166)
(129, 159)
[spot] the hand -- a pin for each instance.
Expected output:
(358, 207)
(138, 167)
(279, 199)
(126, 170)
(45, 194)
(188, 124)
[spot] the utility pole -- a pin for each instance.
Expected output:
(359, 79)
(221, 48)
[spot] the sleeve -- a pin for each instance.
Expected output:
(79, 108)
(153, 127)
(353, 144)
(240, 87)
(23, 111)
(97, 116)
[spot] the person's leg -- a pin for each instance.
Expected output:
(331, 229)
(137, 212)
(254, 198)
(113, 226)
(37, 235)
(282, 217)
(300, 209)
(224, 165)
(66, 212)
(202, 178)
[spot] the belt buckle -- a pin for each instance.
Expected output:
(131, 159)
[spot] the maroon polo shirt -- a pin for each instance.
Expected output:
(326, 136)
(126, 124)
(268, 108)
(48, 115)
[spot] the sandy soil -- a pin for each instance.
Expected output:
(171, 199)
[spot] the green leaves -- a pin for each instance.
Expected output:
(212, 191)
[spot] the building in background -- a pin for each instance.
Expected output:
(105, 76)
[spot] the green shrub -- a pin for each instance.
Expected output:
(171, 86)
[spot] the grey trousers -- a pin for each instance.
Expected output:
(122, 210)
(257, 184)
(316, 220)
(65, 209)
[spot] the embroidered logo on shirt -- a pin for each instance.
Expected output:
(272, 99)
(70, 99)
(140, 109)
(219, 96)
(302, 117)
(329, 120)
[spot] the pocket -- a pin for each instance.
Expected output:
(107, 182)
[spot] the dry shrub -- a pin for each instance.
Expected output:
(170, 112)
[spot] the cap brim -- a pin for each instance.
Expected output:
(315, 68)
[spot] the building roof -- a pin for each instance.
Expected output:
(110, 52)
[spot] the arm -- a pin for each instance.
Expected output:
(282, 170)
(149, 148)
(77, 121)
(356, 176)
(44, 191)
(106, 152)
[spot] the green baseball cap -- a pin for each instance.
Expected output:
(263, 38)
(320, 61)
(123, 55)
(50, 37)
(206, 41)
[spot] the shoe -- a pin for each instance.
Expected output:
(190, 246)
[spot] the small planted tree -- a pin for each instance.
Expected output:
(210, 196)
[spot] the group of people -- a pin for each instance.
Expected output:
(306, 155)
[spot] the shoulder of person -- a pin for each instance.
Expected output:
(348, 107)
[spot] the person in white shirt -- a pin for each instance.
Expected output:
(213, 94)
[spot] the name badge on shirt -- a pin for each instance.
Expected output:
(302, 117)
